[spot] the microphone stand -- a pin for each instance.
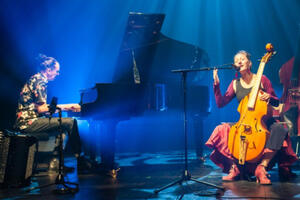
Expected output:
(62, 186)
(208, 68)
(186, 176)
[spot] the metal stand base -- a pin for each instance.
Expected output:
(62, 186)
(186, 177)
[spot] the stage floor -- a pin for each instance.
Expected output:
(142, 173)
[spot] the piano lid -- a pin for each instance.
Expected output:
(142, 30)
(148, 55)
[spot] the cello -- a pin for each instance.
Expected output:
(247, 137)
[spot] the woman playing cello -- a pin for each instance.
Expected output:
(218, 141)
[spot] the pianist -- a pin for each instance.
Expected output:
(32, 111)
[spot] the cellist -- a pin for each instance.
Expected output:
(218, 141)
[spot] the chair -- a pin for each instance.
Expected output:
(289, 121)
(45, 149)
(46, 145)
(296, 141)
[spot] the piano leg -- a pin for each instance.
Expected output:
(107, 144)
(198, 134)
(91, 149)
(196, 122)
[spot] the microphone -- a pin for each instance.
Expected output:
(52, 107)
(237, 68)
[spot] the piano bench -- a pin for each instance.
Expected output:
(46, 146)
(46, 141)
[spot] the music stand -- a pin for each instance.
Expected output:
(61, 184)
(186, 176)
(141, 34)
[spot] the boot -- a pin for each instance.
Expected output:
(262, 175)
(234, 173)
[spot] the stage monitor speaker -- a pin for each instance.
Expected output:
(17, 156)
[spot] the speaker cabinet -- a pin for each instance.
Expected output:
(17, 156)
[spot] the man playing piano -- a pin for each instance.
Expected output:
(33, 109)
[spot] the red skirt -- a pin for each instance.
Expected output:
(222, 157)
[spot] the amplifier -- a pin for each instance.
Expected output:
(17, 155)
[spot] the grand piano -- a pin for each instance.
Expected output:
(143, 81)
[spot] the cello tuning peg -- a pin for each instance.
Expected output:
(269, 47)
